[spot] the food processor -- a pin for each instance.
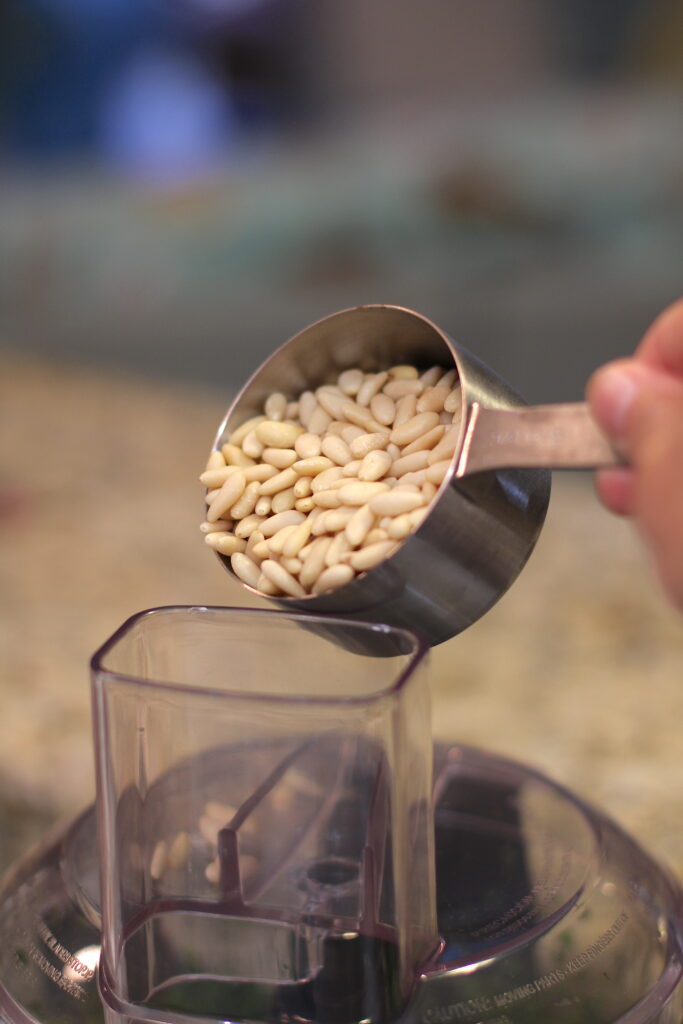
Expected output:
(276, 839)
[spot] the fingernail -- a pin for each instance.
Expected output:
(613, 392)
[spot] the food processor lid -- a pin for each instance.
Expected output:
(547, 911)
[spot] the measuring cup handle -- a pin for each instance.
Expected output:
(561, 436)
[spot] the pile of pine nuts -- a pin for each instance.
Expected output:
(316, 491)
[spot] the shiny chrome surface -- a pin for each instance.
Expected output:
(563, 436)
(480, 530)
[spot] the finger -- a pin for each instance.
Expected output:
(624, 396)
(615, 487)
(641, 410)
(657, 446)
(662, 345)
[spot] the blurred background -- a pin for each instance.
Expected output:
(184, 184)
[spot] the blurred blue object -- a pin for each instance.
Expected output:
(165, 117)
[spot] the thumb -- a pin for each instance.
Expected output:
(641, 410)
(637, 406)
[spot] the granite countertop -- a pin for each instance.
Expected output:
(578, 670)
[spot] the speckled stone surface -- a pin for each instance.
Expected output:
(578, 670)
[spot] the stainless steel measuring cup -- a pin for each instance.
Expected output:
(486, 516)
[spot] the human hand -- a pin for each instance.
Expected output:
(638, 402)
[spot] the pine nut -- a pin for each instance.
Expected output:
(368, 443)
(263, 507)
(319, 421)
(432, 400)
(454, 401)
(383, 409)
(210, 495)
(220, 526)
(413, 428)
(431, 376)
(239, 435)
(307, 406)
(446, 446)
(251, 445)
(350, 470)
(399, 527)
(246, 503)
(253, 540)
(361, 418)
(179, 850)
(313, 465)
(267, 587)
(331, 400)
(405, 410)
(448, 379)
(417, 516)
(283, 500)
(307, 446)
(327, 499)
(409, 463)
(215, 461)
(273, 434)
(336, 449)
(416, 478)
(222, 813)
(277, 542)
(292, 410)
(318, 529)
(333, 577)
(296, 540)
(428, 440)
(350, 381)
(275, 406)
(302, 487)
(278, 575)
(437, 471)
(260, 550)
(158, 861)
(245, 569)
(292, 565)
(369, 557)
(351, 432)
(281, 458)
(225, 543)
(375, 465)
(428, 490)
(274, 523)
(394, 502)
(370, 387)
(261, 471)
(400, 388)
(246, 526)
(403, 372)
(227, 495)
(212, 871)
(337, 550)
(314, 563)
(212, 478)
(360, 493)
(304, 504)
(234, 456)
(285, 478)
(359, 525)
(376, 535)
(325, 479)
